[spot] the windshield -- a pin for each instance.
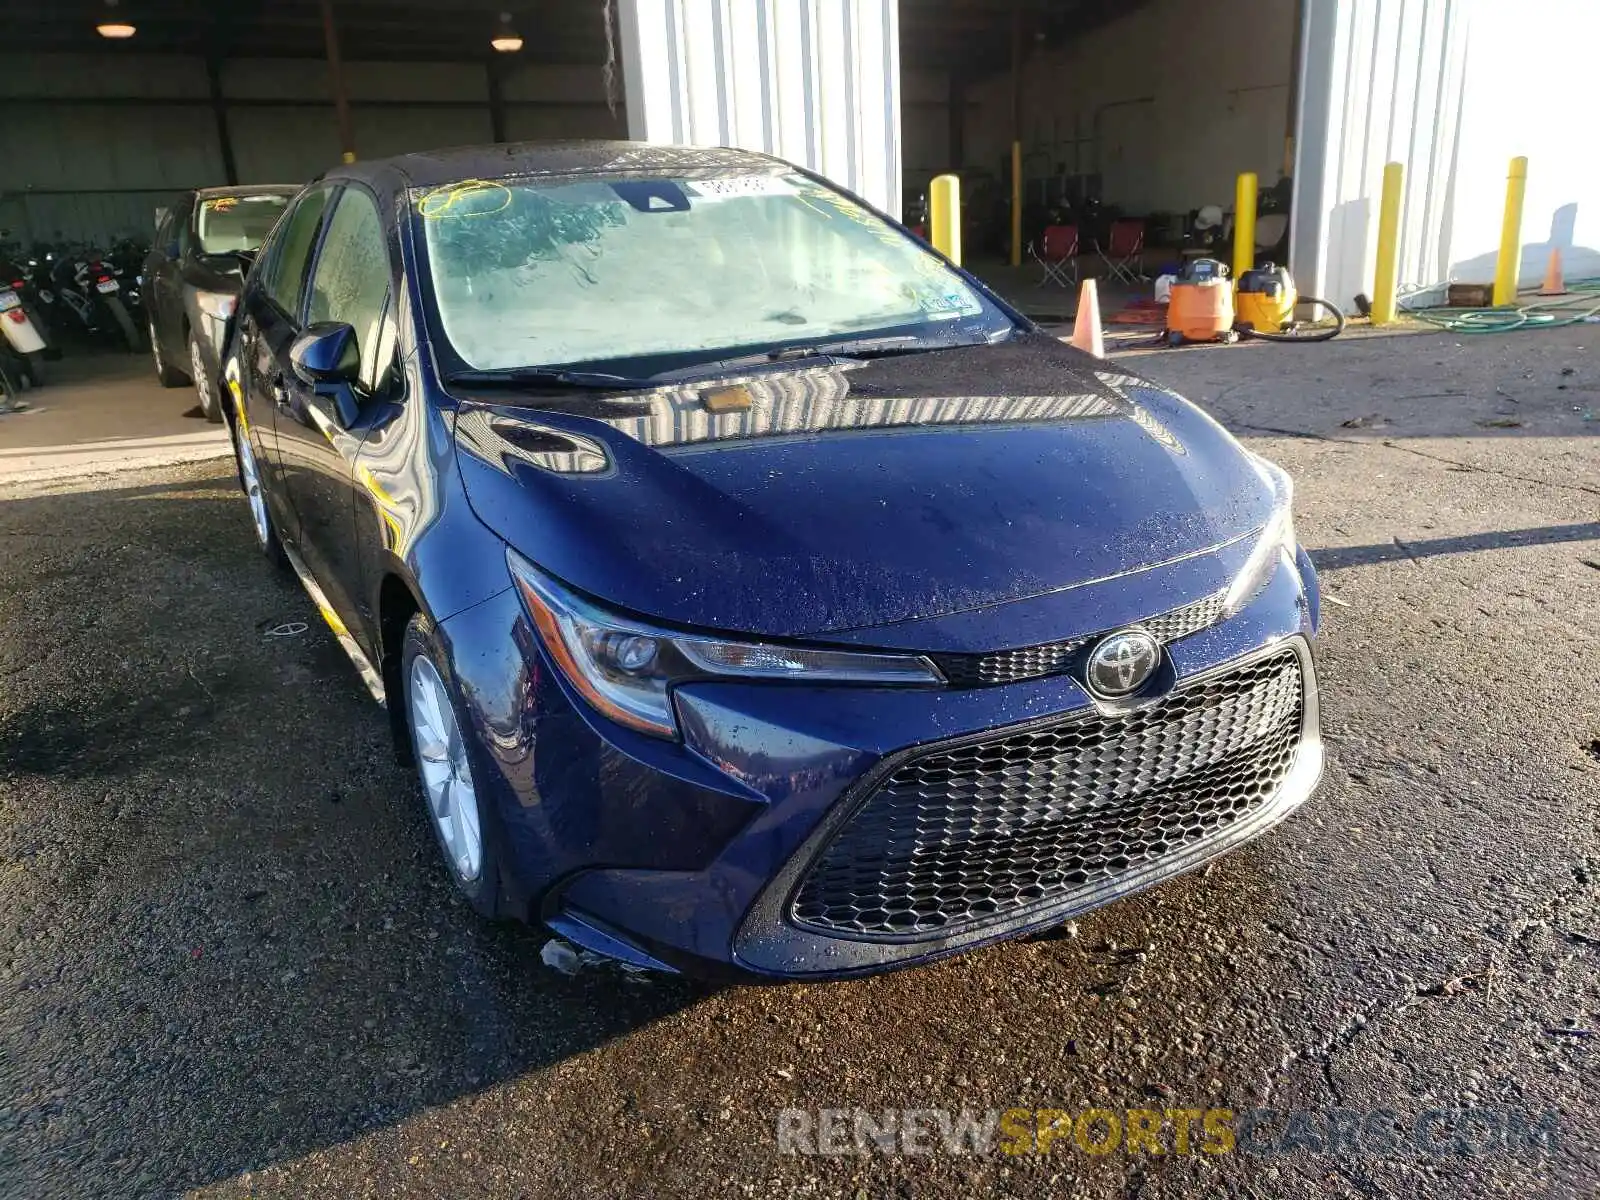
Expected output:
(676, 270)
(228, 224)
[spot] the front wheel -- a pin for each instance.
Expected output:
(467, 837)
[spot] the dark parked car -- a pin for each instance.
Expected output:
(753, 590)
(192, 276)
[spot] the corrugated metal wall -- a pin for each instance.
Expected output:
(1381, 81)
(92, 145)
(1423, 82)
(1549, 119)
(816, 82)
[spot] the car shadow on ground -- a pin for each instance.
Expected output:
(1339, 557)
(228, 939)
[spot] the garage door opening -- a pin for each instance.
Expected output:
(1133, 116)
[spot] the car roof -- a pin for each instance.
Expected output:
(257, 189)
(436, 167)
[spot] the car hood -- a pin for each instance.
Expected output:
(821, 500)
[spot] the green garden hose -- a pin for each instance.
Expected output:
(1580, 303)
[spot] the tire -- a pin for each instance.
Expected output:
(204, 385)
(11, 375)
(260, 515)
(424, 668)
(35, 366)
(124, 323)
(166, 374)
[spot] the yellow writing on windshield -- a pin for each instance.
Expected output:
(468, 198)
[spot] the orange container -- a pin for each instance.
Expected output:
(1201, 304)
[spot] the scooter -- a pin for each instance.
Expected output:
(21, 336)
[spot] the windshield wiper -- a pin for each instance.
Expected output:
(843, 351)
(548, 377)
(872, 347)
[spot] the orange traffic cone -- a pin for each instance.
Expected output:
(1086, 333)
(1553, 285)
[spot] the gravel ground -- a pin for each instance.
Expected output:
(229, 963)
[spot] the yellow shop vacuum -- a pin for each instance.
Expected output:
(1265, 303)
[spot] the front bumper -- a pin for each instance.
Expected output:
(777, 932)
(691, 855)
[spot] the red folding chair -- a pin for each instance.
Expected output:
(1057, 252)
(1123, 252)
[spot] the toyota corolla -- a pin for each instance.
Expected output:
(753, 590)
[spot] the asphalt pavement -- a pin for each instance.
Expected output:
(230, 964)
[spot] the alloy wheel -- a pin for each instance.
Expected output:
(202, 382)
(446, 773)
(252, 486)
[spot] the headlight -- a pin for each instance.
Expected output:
(626, 668)
(1277, 536)
(216, 304)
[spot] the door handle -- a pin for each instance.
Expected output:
(280, 394)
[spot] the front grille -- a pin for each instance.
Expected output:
(1181, 622)
(1008, 666)
(1057, 658)
(984, 831)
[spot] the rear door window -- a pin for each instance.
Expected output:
(182, 214)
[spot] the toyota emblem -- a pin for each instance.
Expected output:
(1122, 663)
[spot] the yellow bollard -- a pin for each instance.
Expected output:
(1016, 204)
(944, 216)
(1244, 224)
(1510, 261)
(1386, 283)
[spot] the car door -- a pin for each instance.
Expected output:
(269, 320)
(164, 284)
(350, 284)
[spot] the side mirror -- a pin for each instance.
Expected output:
(327, 360)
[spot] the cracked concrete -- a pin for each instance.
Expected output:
(229, 965)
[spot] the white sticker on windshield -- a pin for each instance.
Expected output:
(738, 186)
(943, 308)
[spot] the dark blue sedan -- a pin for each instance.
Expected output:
(754, 591)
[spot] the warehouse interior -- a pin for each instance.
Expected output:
(1129, 104)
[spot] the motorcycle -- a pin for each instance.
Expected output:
(21, 329)
(88, 289)
(126, 260)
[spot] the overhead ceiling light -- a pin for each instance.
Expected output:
(112, 26)
(506, 39)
